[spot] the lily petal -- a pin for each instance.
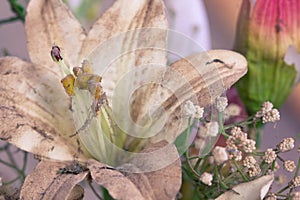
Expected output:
(49, 22)
(162, 184)
(129, 36)
(35, 111)
(121, 17)
(46, 183)
(118, 185)
(200, 78)
(252, 190)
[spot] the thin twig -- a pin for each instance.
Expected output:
(8, 20)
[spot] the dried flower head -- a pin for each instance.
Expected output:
(254, 171)
(249, 162)
(206, 178)
(235, 154)
(271, 116)
(230, 143)
(239, 135)
(286, 144)
(289, 165)
(270, 156)
(265, 108)
(295, 182)
(221, 103)
(249, 145)
(220, 155)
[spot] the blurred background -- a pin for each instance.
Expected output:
(211, 23)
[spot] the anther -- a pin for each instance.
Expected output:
(55, 54)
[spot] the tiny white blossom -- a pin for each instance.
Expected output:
(199, 112)
(271, 116)
(190, 110)
(221, 103)
(265, 108)
(286, 144)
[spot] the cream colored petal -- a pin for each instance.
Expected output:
(165, 181)
(131, 182)
(49, 22)
(35, 111)
(122, 17)
(46, 183)
(118, 185)
(199, 78)
(252, 190)
(132, 47)
(126, 37)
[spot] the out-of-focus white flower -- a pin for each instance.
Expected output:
(206, 178)
(220, 155)
(212, 128)
(189, 18)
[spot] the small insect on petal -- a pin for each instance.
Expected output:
(55, 54)
(68, 84)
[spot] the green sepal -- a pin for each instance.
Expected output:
(267, 80)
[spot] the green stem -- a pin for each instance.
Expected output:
(10, 165)
(9, 20)
(297, 169)
(11, 158)
(25, 158)
(283, 189)
(186, 154)
(17, 9)
(11, 181)
(248, 121)
(240, 171)
(223, 185)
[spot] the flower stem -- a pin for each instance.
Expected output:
(18, 9)
(240, 171)
(186, 154)
(8, 20)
